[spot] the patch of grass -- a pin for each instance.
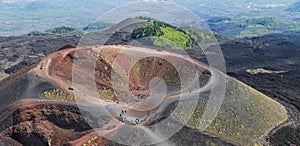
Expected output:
(90, 141)
(106, 93)
(56, 94)
(164, 43)
(178, 37)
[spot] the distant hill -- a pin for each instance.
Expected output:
(262, 22)
(255, 33)
(250, 24)
(64, 30)
(38, 6)
(294, 7)
(164, 35)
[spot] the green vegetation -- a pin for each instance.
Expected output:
(177, 36)
(106, 93)
(98, 25)
(90, 141)
(167, 36)
(295, 27)
(200, 35)
(255, 33)
(56, 94)
(263, 22)
(164, 35)
(164, 43)
(218, 19)
(36, 33)
(146, 31)
(64, 30)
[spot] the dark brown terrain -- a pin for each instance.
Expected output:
(280, 52)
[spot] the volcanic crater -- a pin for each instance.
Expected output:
(120, 74)
(84, 89)
(129, 85)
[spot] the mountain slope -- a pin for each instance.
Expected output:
(245, 116)
(240, 127)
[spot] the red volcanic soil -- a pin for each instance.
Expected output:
(121, 74)
(44, 123)
(101, 62)
(120, 77)
(55, 123)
